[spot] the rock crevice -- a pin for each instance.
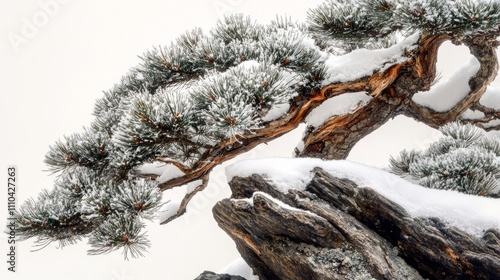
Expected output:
(336, 230)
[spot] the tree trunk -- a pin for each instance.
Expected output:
(336, 138)
(391, 87)
(391, 92)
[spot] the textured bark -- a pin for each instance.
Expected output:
(392, 90)
(336, 230)
(335, 138)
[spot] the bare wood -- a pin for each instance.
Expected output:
(485, 52)
(185, 201)
(392, 91)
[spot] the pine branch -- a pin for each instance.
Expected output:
(84, 150)
(203, 100)
(187, 198)
(353, 22)
(119, 233)
(463, 160)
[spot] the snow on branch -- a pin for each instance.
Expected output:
(362, 63)
(209, 97)
(455, 89)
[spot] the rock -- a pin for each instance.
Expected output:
(336, 230)
(209, 275)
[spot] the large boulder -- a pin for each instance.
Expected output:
(334, 229)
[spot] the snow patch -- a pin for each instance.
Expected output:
(165, 172)
(446, 94)
(363, 62)
(300, 146)
(190, 187)
(473, 214)
(168, 210)
(336, 106)
(249, 64)
(284, 173)
(274, 200)
(472, 115)
(155, 168)
(170, 172)
(492, 123)
(276, 112)
(491, 98)
(239, 267)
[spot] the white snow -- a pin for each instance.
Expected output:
(492, 123)
(168, 210)
(165, 172)
(249, 64)
(286, 173)
(473, 214)
(472, 115)
(363, 62)
(274, 200)
(336, 106)
(491, 98)
(300, 145)
(276, 112)
(170, 172)
(446, 94)
(239, 267)
(190, 187)
(151, 168)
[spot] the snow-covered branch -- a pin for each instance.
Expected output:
(209, 97)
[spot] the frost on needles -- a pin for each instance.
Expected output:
(210, 96)
(464, 159)
(177, 106)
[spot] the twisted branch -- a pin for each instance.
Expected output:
(392, 91)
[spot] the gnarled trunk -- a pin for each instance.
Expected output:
(392, 92)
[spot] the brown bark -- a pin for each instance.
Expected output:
(484, 50)
(392, 91)
(335, 138)
(393, 96)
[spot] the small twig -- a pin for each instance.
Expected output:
(185, 169)
(187, 198)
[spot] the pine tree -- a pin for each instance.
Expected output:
(464, 159)
(208, 97)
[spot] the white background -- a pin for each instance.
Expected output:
(57, 58)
